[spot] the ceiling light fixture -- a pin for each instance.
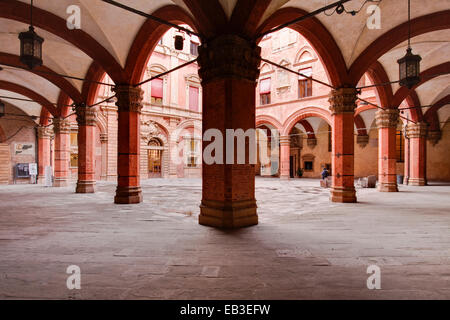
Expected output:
(31, 45)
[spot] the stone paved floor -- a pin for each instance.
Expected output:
(304, 247)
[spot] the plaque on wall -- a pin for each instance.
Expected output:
(24, 149)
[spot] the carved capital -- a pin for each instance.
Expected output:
(285, 141)
(434, 136)
(417, 130)
(362, 140)
(85, 115)
(44, 133)
(229, 56)
(387, 118)
(343, 100)
(311, 142)
(61, 125)
(103, 137)
(129, 98)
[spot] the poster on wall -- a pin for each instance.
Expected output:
(33, 169)
(26, 148)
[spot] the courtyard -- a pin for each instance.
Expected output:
(304, 247)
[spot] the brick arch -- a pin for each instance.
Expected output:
(425, 76)
(377, 74)
(319, 37)
(428, 23)
(266, 119)
(47, 73)
(303, 114)
(360, 125)
(90, 89)
(308, 128)
(19, 11)
(147, 38)
(5, 85)
(431, 115)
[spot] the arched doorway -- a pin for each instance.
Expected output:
(154, 155)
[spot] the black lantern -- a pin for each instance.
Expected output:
(179, 41)
(31, 45)
(409, 65)
(31, 48)
(409, 69)
(2, 109)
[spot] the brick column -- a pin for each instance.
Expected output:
(343, 107)
(229, 67)
(129, 103)
(44, 135)
(61, 128)
(387, 153)
(86, 149)
(417, 133)
(285, 152)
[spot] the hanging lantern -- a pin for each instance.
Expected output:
(409, 69)
(179, 41)
(2, 109)
(409, 65)
(31, 48)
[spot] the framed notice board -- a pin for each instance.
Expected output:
(22, 170)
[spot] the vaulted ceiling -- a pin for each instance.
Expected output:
(118, 42)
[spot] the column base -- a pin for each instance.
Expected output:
(285, 178)
(85, 187)
(59, 183)
(417, 182)
(343, 195)
(387, 187)
(128, 195)
(228, 214)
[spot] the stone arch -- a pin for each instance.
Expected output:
(266, 119)
(304, 113)
(148, 37)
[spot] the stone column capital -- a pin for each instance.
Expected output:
(129, 98)
(44, 132)
(229, 56)
(343, 100)
(285, 141)
(61, 125)
(417, 130)
(434, 136)
(311, 142)
(387, 118)
(85, 116)
(362, 140)
(103, 137)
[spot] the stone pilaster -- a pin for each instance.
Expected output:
(229, 67)
(387, 121)
(342, 106)
(129, 103)
(86, 119)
